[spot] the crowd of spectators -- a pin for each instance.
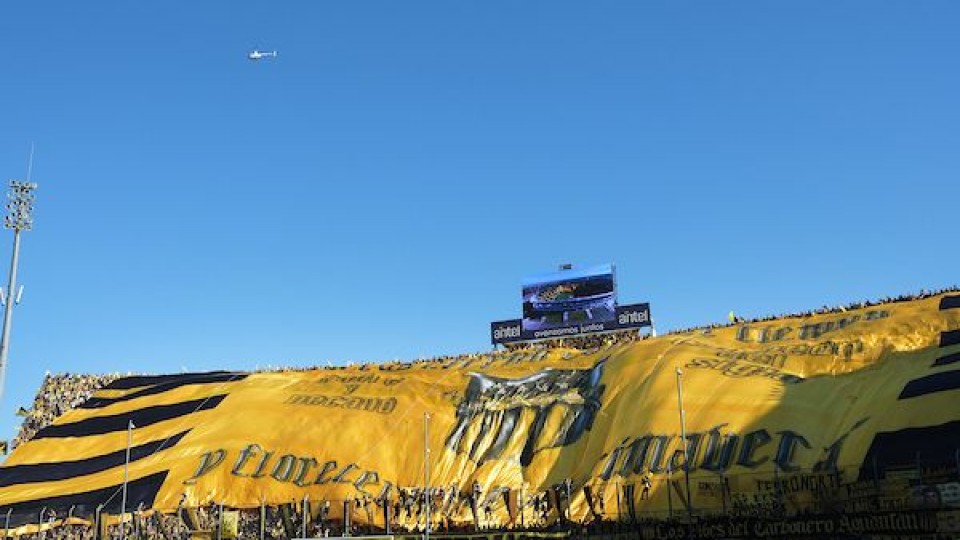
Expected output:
(734, 320)
(292, 521)
(57, 394)
(582, 343)
(60, 393)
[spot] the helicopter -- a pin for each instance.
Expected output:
(259, 55)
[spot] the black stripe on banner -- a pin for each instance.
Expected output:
(49, 472)
(140, 491)
(203, 378)
(127, 383)
(950, 302)
(938, 382)
(902, 448)
(948, 359)
(118, 422)
(949, 338)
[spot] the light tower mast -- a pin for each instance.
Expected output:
(19, 219)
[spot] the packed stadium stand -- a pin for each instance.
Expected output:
(838, 422)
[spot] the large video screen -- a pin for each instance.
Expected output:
(569, 298)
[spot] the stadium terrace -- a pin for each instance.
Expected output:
(838, 422)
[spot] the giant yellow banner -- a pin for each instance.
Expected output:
(789, 406)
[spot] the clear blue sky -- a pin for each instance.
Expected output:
(381, 189)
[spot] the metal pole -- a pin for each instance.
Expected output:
(96, 521)
(8, 310)
(683, 435)
(426, 474)
(263, 520)
(306, 512)
(137, 517)
(220, 521)
(126, 476)
(19, 219)
(40, 521)
(6, 524)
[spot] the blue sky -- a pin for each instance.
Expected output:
(567, 274)
(381, 189)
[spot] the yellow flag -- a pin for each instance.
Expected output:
(785, 402)
(231, 522)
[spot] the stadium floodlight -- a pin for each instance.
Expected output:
(19, 219)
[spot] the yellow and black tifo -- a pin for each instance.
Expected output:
(805, 402)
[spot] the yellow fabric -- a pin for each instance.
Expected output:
(832, 379)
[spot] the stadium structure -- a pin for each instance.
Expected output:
(831, 424)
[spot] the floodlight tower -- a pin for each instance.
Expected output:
(18, 219)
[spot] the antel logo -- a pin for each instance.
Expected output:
(634, 317)
(504, 332)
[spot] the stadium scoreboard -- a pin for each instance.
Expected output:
(568, 303)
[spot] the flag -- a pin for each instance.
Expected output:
(231, 522)
(95, 460)
(732, 316)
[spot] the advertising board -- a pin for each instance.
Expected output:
(624, 317)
